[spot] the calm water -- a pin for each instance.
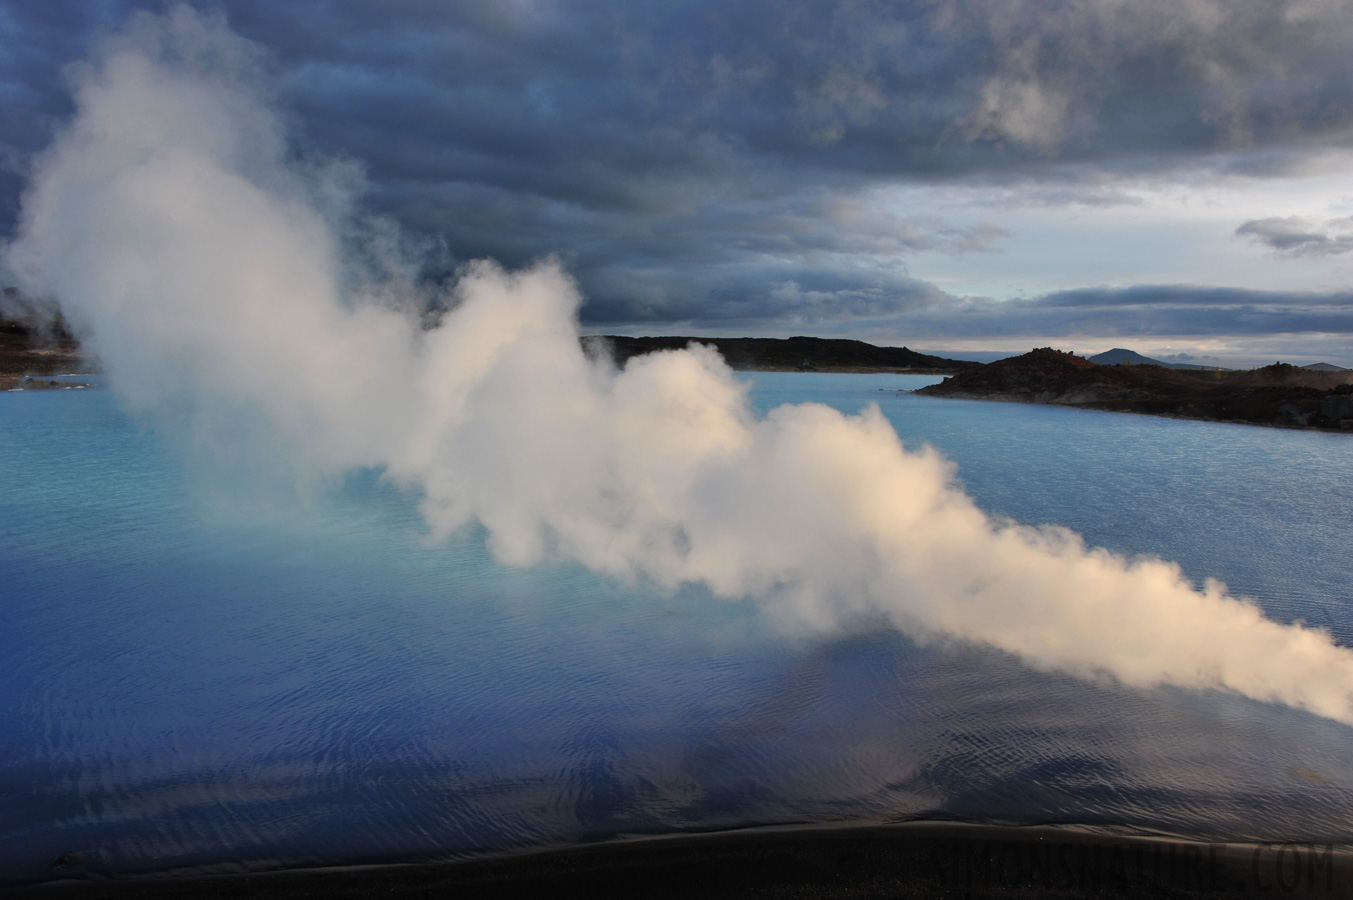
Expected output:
(199, 680)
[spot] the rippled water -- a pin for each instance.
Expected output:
(200, 679)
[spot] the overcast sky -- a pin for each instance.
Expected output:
(1174, 176)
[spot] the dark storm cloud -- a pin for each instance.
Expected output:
(696, 160)
(36, 41)
(743, 295)
(1295, 236)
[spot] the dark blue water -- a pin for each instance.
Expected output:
(207, 678)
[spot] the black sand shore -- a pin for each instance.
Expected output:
(928, 859)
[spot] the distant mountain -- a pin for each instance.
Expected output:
(1324, 367)
(1120, 357)
(789, 354)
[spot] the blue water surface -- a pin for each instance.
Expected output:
(203, 680)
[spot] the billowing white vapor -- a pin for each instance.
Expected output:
(205, 267)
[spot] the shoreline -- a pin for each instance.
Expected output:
(28, 363)
(16, 383)
(910, 859)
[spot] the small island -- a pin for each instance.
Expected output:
(1279, 395)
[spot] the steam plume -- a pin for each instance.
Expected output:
(206, 268)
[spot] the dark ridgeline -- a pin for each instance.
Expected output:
(788, 354)
(1279, 394)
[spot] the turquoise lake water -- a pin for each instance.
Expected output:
(199, 678)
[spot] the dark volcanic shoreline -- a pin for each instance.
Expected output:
(28, 357)
(903, 860)
(795, 354)
(1278, 395)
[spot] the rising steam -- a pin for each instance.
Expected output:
(206, 268)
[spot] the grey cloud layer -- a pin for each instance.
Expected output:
(1295, 236)
(1142, 311)
(697, 161)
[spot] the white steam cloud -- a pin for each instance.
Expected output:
(207, 270)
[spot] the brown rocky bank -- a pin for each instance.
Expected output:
(27, 355)
(1280, 394)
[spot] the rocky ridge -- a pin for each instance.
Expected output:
(1280, 394)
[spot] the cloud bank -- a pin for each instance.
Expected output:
(696, 163)
(206, 267)
(1295, 236)
(1144, 311)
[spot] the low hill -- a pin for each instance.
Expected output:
(790, 354)
(1274, 395)
(1118, 356)
(1285, 375)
